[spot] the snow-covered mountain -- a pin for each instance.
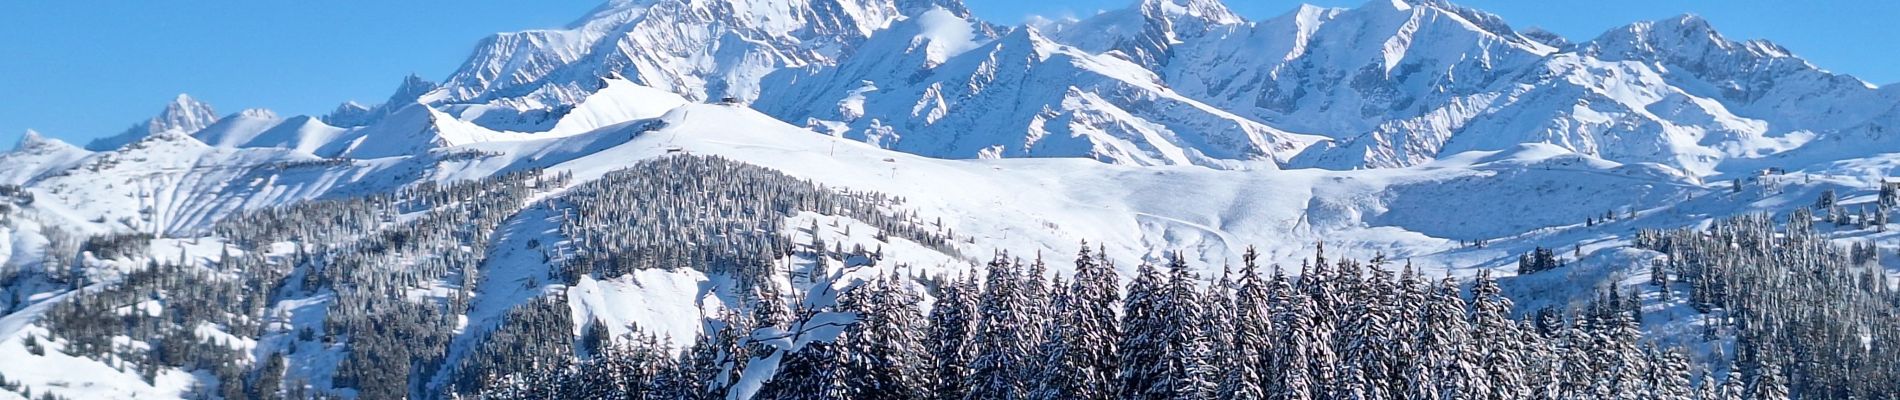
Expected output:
(1176, 82)
(1409, 129)
(183, 115)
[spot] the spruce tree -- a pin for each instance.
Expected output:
(1093, 331)
(1289, 374)
(1248, 355)
(1667, 376)
(1187, 354)
(1144, 336)
(1369, 339)
(1058, 373)
(1320, 311)
(1217, 327)
(700, 374)
(1003, 341)
(1445, 348)
(1732, 386)
(883, 350)
(953, 320)
(1495, 337)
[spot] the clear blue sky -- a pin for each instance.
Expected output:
(80, 69)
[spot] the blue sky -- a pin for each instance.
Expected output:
(80, 69)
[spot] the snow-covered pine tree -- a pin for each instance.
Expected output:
(1245, 376)
(1496, 338)
(1003, 342)
(953, 320)
(1058, 373)
(701, 372)
(1542, 372)
(769, 309)
(1708, 388)
(1368, 338)
(813, 372)
(1217, 332)
(1144, 336)
(1095, 295)
(1577, 357)
(883, 350)
(1667, 376)
(1617, 349)
(1187, 353)
(1038, 295)
(1767, 384)
(1289, 373)
(1322, 289)
(734, 355)
(669, 380)
(1445, 348)
(1408, 308)
(1732, 386)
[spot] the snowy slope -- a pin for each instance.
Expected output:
(238, 129)
(35, 155)
(1403, 212)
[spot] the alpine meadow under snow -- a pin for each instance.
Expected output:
(891, 199)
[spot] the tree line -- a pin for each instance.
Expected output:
(1339, 330)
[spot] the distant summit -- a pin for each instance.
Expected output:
(184, 115)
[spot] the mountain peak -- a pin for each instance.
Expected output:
(1675, 34)
(1406, 15)
(914, 7)
(34, 140)
(1546, 37)
(413, 86)
(1681, 38)
(1210, 11)
(183, 114)
(259, 113)
(1147, 32)
(410, 91)
(1687, 22)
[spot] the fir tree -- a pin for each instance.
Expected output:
(883, 350)
(1060, 374)
(1094, 332)
(1144, 336)
(1369, 340)
(1494, 335)
(1002, 341)
(953, 321)
(1248, 355)
(1289, 374)
(1446, 350)
(1186, 356)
